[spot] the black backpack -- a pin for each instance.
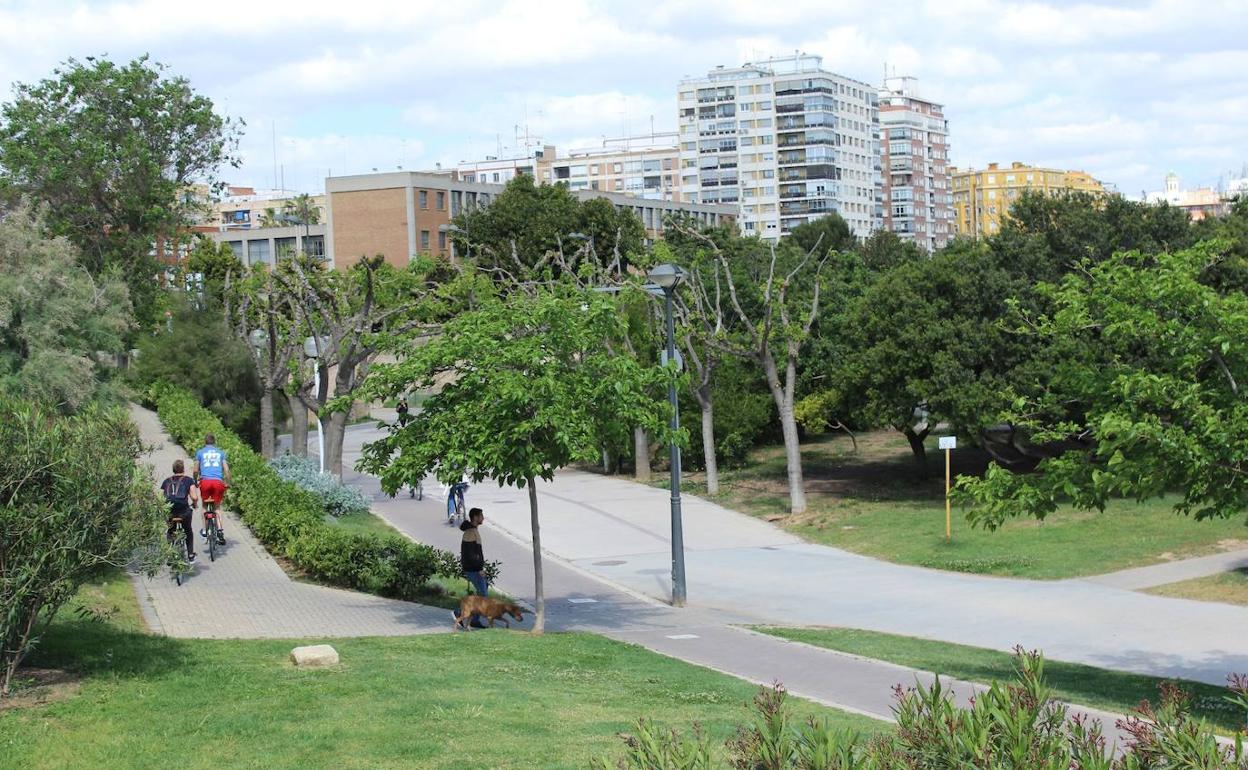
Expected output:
(172, 490)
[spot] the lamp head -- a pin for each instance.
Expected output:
(666, 276)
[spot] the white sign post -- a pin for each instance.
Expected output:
(948, 443)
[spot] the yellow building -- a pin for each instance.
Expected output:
(981, 199)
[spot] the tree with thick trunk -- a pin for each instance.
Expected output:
(298, 425)
(254, 308)
(641, 454)
(344, 311)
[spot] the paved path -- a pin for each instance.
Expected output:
(1174, 571)
(743, 570)
(578, 599)
(245, 594)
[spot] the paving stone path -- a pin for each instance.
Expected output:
(245, 593)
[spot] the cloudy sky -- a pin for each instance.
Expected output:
(1126, 90)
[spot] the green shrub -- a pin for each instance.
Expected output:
(291, 521)
(338, 498)
(205, 357)
(1008, 727)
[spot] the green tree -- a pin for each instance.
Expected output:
(829, 232)
(531, 228)
(925, 344)
(113, 151)
(59, 326)
(208, 267)
(202, 355)
(523, 381)
(72, 501)
(1142, 393)
(301, 210)
(348, 314)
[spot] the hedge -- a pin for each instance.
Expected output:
(291, 522)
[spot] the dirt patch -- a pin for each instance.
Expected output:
(1232, 544)
(37, 686)
(1166, 556)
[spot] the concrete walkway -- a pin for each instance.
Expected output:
(741, 570)
(1174, 571)
(577, 599)
(245, 593)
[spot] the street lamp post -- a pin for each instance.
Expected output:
(668, 277)
(311, 350)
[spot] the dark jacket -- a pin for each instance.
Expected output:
(471, 556)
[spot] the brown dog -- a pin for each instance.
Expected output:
(491, 609)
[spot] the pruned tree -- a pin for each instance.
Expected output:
(772, 303)
(343, 311)
(259, 312)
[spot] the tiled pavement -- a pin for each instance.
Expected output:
(245, 593)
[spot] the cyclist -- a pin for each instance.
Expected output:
(213, 473)
(403, 411)
(455, 500)
(180, 493)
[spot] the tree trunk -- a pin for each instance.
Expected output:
(917, 447)
(641, 454)
(266, 424)
(539, 620)
(335, 432)
(298, 426)
(788, 426)
(708, 443)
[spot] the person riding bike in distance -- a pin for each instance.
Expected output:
(213, 473)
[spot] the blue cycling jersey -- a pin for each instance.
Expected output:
(211, 462)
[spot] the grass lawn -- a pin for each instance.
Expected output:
(1228, 587)
(1073, 682)
(492, 699)
(872, 502)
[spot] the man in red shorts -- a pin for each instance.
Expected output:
(213, 473)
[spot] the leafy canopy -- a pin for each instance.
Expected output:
(1146, 369)
(55, 318)
(524, 381)
(113, 151)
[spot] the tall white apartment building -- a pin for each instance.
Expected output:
(786, 141)
(914, 153)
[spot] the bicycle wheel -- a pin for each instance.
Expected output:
(419, 491)
(211, 529)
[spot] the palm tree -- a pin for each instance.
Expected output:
(302, 210)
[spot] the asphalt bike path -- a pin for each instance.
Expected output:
(577, 599)
(245, 594)
(617, 530)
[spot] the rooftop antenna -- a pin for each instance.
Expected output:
(274, 127)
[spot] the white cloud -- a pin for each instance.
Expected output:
(1127, 89)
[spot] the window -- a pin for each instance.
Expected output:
(441, 240)
(237, 248)
(618, 167)
(314, 246)
(495, 177)
(424, 240)
(441, 199)
(424, 198)
(257, 252)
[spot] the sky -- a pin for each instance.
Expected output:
(1127, 91)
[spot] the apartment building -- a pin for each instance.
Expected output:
(784, 141)
(1198, 203)
(402, 214)
(981, 199)
(914, 151)
(244, 208)
(645, 166)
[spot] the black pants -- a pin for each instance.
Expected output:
(183, 520)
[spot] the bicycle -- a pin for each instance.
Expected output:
(212, 530)
(416, 492)
(178, 564)
(456, 512)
